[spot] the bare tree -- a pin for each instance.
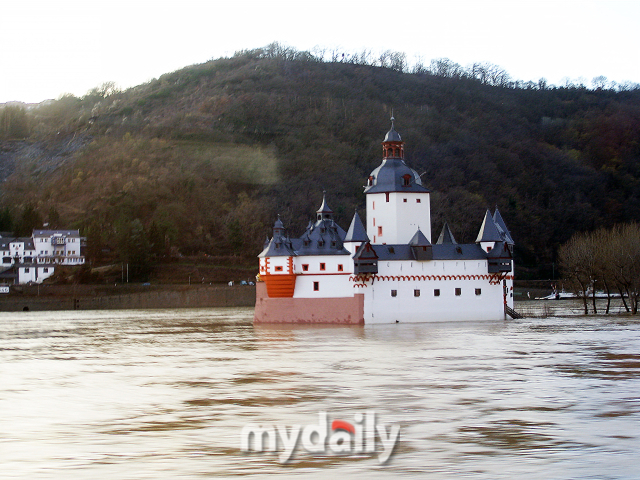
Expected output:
(606, 258)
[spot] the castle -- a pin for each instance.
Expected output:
(391, 271)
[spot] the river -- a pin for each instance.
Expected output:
(165, 394)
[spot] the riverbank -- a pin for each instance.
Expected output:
(125, 296)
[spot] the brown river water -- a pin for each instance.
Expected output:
(155, 394)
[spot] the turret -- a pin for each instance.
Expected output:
(356, 235)
(397, 202)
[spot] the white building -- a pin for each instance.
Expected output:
(391, 271)
(33, 259)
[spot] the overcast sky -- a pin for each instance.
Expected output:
(51, 47)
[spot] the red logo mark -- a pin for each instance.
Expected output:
(342, 425)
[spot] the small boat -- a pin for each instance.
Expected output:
(562, 295)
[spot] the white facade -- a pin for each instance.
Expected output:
(60, 247)
(34, 258)
(410, 291)
(34, 273)
(394, 217)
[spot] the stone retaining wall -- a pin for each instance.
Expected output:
(84, 298)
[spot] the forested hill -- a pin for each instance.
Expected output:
(202, 159)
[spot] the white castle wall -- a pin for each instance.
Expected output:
(399, 219)
(332, 281)
(381, 307)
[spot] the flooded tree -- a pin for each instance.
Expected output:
(604, 260)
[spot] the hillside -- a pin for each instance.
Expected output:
(202, 159)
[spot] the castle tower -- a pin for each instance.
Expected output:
(397, 202)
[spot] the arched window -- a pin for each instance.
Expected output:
(406, 180)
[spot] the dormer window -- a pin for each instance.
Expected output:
(406, 180)
(370, 181)
(307, 243)
(320, 243)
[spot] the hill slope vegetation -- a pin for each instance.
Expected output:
(202, 159)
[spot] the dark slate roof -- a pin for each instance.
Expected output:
(502, 227)
(324, 208)
(278, 225)
(325, 237)
(28, 242)
(440, 252)
(419, 240)
(279, 245)
(392, 135)
(446, 237)
(356, 232)
(9, 272)
(489, 230)
(500, 250)
(388, 177)
(48, 233)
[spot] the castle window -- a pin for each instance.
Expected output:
(305, 267)
(416, 293)
(278, 269)
(391, 249)
(379, 231)
(458, 292)
(340, 267)
(307, 243)
(374, 222)
(406, 180)
(488, 249)
(373, 206)
(404, 200)
(436, 292)
(370, 181)
(394, 293)
(323, 266)
(387, 197)
(418, 200)
(478, 291)
(316, 286)
(321, 243)
(333, 244)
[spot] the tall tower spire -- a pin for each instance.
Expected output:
(396, 199)
(393, 146)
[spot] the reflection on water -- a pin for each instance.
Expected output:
(164, 394)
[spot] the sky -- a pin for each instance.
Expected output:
(52, 47)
